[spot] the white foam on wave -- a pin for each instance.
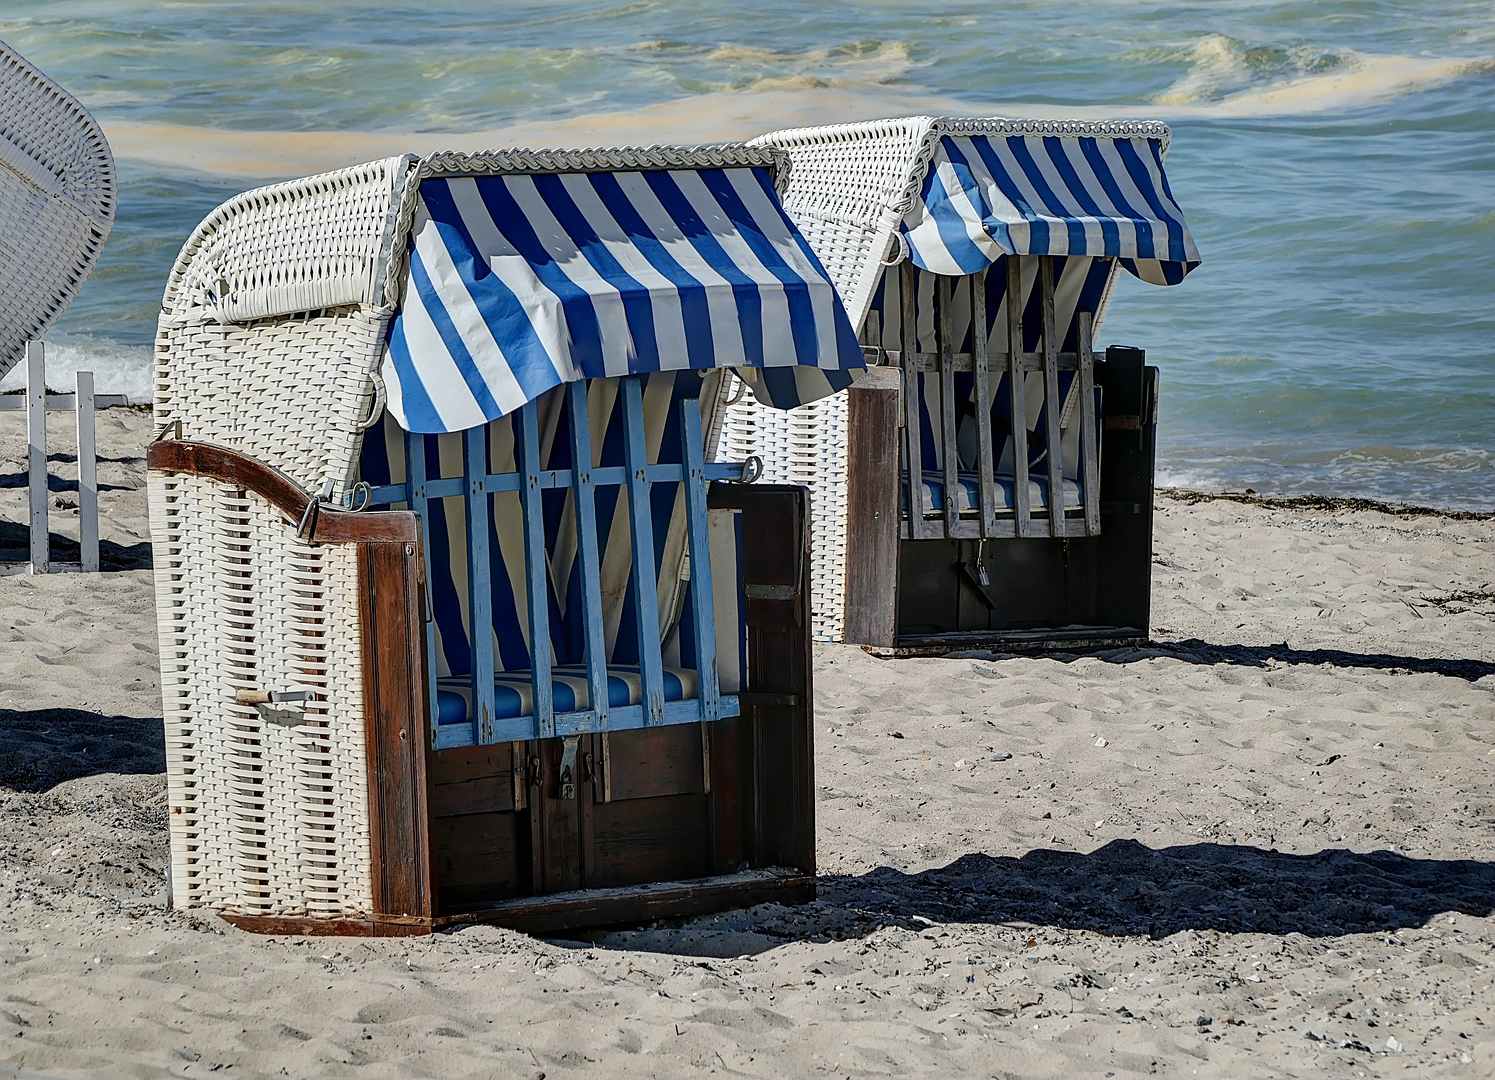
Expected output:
(1222, 83)
(117, 369)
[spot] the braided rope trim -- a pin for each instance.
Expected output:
(595, 159)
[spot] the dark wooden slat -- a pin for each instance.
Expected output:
(636, 841)
(394, 703)
(559, 824)
(477, 858)
(570, 911)
(294, 926)
(872, 493)
(949, 452)
(280, 491)
(913, 450)
(640, 904)
(725, 762)
(1089, 451)
(1052, 404)
(779, 661)
(1021, 510)
(648, 762)
(980, 363)
(472, 780)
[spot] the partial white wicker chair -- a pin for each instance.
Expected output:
(57, 202)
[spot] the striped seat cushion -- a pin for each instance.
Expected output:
(966, 499)
(513, 694)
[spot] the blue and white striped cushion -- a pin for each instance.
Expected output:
(514, 694)
(966, 501)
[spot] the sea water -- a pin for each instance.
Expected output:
(1336, 160)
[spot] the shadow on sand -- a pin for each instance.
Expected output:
(15, 546)
(1123, 888)
(41, 748)
(1195, 651)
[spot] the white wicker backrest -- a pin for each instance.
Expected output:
(273, 320)
(321, 242)
(57, 200)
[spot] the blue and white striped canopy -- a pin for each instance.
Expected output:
(518, 283)
(986, 196)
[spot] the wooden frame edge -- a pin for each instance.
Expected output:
(331, 526)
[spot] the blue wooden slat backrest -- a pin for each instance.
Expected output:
(547, 563)
(1080, 284)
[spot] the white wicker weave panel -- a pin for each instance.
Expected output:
(288, 391)
(269, 808)
(805, 446)
(298, 246)
(57, 202)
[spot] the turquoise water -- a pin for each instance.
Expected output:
(1336, 161)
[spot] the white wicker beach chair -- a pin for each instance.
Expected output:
(57, 200)
(374, 388)
(908, 215)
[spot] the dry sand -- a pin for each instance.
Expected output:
(1259, 848)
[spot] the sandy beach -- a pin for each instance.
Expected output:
(1259, 847)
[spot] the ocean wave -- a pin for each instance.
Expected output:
(117, 368)
(1455, 478)
(829, 93)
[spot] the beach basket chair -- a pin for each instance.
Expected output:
(57, 200)
(988, 486)
(459, 620)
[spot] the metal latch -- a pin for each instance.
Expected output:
(275, 697)
(568, 768)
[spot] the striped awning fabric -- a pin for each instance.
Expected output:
(520, 282)
(989, 195)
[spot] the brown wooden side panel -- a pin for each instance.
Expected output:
(472, 780)
(778, 766)
(644, 840)
(395, 703)
(325, 525)
(872, 481)
(727, 793)
(480, 858)
(649, 762)
(557, 825)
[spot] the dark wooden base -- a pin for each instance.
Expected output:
(1065, 639)
(582, 909)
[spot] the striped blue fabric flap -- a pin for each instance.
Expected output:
(991, 195)
(518, 283)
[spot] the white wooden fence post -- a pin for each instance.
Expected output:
(88, 477)
(36, 437)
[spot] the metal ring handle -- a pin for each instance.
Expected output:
(902, 251)
(376, 410)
